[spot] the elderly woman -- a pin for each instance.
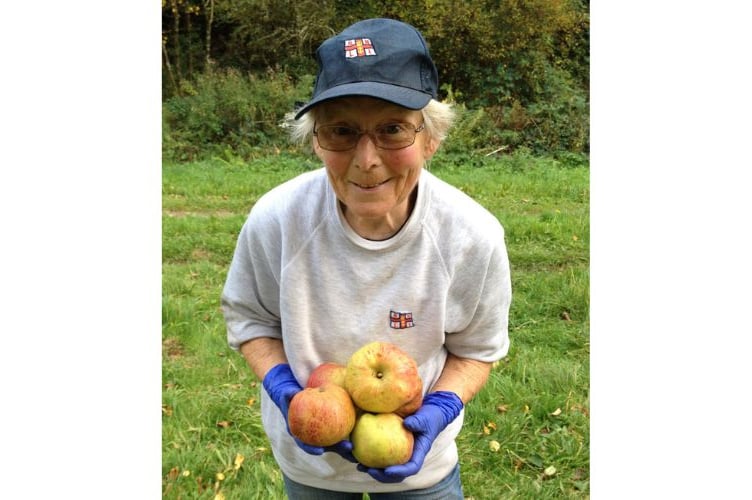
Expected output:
(370, 247)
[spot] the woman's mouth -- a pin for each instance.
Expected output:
(369, 186)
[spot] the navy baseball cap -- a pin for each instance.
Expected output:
(381, 58)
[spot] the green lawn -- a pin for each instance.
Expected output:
(526, 434)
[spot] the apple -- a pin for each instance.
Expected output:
(382, 378)
(321, 416)
(410, 407)
(327, 372)
(380, 440)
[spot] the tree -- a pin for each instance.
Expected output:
(525, 63)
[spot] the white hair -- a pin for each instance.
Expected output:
(438, 117)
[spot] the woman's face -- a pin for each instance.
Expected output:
(373, 184)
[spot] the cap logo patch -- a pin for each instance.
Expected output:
(359, 47)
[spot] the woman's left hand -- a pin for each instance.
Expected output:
(439, 409)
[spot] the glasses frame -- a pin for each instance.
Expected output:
(372, 135)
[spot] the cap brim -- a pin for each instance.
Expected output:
(401, 96)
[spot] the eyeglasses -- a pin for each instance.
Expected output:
(387, 136)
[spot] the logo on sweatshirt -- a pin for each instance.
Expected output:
(401, 320)
(359, 47)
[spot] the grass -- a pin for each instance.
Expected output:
(526, 434)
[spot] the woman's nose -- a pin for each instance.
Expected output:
(366, 152)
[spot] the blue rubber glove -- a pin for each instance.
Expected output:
(439, 409)
(282, 386)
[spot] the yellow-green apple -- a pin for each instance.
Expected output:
(327, 372)
(321, 416)
(379, 440)
(382, 378)
(411, 406)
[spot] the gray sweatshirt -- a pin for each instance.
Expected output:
(301, 274)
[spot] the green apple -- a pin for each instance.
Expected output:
(380, 440)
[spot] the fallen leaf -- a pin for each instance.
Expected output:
(219, 496)
(186, 473)
(494, 446)
(556, 412)
(251, 401)
(173, 474)
(172, 347)
(224, 424)
(220, 476)
(526, 409)
(501, 408)
(238, 461)
(565, 316)
(581, 409)
(167, 410)
(574, 237)
(549, 471)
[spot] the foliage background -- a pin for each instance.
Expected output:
(517, 70)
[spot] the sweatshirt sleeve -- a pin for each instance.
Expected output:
(482, 300)
(250, 298)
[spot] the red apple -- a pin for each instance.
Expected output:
(380, 440)
(327, 372)
(321, 416)
(382, 378)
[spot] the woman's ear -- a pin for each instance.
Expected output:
(317, 149)
(430, 147)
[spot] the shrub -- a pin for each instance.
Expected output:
(560, 121)
(225, 109)
(556, 124)
(469, 132)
